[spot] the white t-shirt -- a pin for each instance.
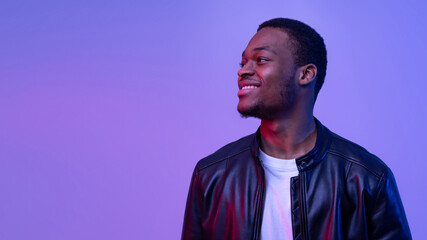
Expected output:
(276, 221)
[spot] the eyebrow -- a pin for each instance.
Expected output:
(266, 48)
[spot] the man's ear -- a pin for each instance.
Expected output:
(307, 74)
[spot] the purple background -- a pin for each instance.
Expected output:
(105, 107)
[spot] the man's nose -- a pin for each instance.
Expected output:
(247, 69)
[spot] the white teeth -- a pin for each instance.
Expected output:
(249, 86)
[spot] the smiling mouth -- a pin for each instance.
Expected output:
(248, 87)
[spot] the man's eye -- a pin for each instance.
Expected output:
(262, 60)
(241, 64)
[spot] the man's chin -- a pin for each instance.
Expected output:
(256, 112)
(242, 115)
(248, 112)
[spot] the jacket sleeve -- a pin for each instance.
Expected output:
(388, 220)
(192, 227)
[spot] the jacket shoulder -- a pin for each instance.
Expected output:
(227, 151)
(356, 154)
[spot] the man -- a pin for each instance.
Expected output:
(293, 178)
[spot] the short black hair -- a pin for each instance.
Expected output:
(308, 46)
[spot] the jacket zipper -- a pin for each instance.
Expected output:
(260, 207)
(303, 208)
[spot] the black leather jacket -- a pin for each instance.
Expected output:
(342, 192)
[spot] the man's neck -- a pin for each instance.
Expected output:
(288, 139)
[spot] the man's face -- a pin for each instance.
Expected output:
(267, 82)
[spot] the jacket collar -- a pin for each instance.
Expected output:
(310, 159)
